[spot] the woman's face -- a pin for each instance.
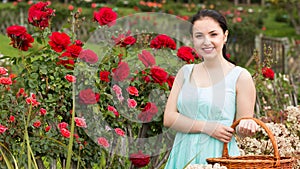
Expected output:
(208, 38)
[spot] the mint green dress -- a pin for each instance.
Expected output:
(216, 103)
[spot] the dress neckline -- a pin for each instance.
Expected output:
(208, 87)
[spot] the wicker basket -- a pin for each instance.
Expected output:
(254, 161)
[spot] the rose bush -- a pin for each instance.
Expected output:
(82, 102)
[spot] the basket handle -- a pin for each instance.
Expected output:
(270, 134)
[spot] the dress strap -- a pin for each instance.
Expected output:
(235, 75)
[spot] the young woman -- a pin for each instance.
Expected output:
(207, 97)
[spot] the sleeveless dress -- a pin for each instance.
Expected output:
(215, 103)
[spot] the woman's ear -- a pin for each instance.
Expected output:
(226, 35)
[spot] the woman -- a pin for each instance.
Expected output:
(207, 97)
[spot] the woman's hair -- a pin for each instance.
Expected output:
(217, 17)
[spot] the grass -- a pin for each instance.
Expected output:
(5, 48)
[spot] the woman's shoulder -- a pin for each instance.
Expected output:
(245, 76)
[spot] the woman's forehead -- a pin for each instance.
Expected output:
(206, 24)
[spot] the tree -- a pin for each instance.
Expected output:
(293, 9)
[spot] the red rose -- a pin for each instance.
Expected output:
(187, 54)
(11, 118)
(88, 56)
(158, 74)
(16, 31)
(62, 125)
(170, 81)
(72, 51)
(47, 128)
(132, 91)
(121, 72)
(147, 58)
(105, 16)
(59, 41)
(70, 78)
(5, 80)
(124, 40)
(163, 41)
(65, 132)
(148, 112)
(104, 76)
(78, 43)
(39, 15)
(87, 96)
(268, 73)
(43, 111)
(37, 124)
(19, 37)
(139, 159)
(69, 64)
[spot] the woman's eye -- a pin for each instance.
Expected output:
(198, 36)
(214, 34)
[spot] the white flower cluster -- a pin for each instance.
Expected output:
(205, 166)
(287, 137)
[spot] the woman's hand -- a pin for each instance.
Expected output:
(246, 127)
(218, 131)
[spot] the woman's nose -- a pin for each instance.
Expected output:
(206, 40)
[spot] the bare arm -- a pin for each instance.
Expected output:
(246, 95)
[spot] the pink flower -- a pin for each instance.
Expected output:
(65, 132)
(37, 124)
(71, 7)
(3, 71)
(131, 103)
(62, 125)
(70, 78)
(103, 142)
(80, 122)
(43, 111)
(32, 100)
(117, 89)
(2, 129)
(132, 91)
(93, 5)
(120, 132)
(121, 72)
(147, 58)
(88, 56)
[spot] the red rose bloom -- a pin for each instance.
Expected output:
(69, 64)
(16, 31)
(148, 112)
(132, 91)
(104, 76)
(170, 81)
(268, 73)
(59, 41)
(88, 56)
(65, 132)
(124, 40)
(87, 96)
(47, 128)
(158, 74)
(147, 58)
(105, 16)
(5, 81)
(121, 72)
(163, 41)
(139, 159)
(70, 78)
(187, 54)
(19, 37)
(37, 124)
(72, 51)
(39, 15)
